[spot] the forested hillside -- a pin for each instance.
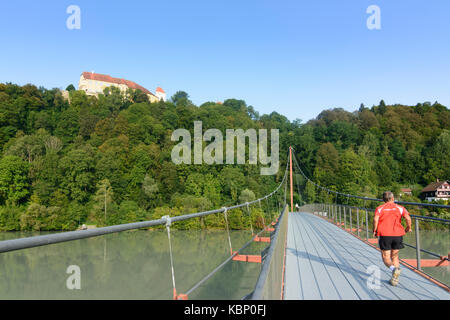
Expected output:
(378, 149)
(61, 162)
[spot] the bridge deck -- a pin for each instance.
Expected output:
(325, 262)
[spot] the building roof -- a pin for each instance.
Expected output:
(433, 186)
(405, 190)
(107, 78)
(159, 89)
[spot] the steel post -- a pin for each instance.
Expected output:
(345, 218)
(351, 222)
(357, 220)
(417, 244)
(367, 225)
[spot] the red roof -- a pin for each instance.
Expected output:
(106, 78)
(159, 89)
(405, 190)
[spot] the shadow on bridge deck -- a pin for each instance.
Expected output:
(325, 262)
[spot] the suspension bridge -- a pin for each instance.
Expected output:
(319, 251)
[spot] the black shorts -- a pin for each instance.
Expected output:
(390, 243)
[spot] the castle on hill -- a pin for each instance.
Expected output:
(94, 83)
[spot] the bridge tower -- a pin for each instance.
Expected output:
(290, 173)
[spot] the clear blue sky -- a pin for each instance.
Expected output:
(295, 57)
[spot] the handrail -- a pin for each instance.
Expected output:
(411, 215)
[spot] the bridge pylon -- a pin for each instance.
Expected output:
(290, 173)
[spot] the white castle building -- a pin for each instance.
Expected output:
(94, 83)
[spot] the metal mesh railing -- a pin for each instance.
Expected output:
(270, 284)
(359, 221)
(43, 240)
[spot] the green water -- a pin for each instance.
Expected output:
(130, 265)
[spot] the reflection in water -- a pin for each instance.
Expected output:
(129, 265)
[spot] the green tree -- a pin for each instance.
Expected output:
(310, 192)
(77, 168)
(103, 202)
(246, 196)
(14, 182)
(181, 98)
(149, 192)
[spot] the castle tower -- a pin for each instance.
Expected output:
(160, 94)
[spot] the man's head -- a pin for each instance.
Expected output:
(388, 196)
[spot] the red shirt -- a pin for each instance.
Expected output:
(390, 220)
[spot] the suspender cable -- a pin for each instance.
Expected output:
(298, 188)
(168, 223)
(270, 209)
(250, 217)
(228, 230)
(263, 215)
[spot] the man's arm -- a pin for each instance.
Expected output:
(375, 225)
(408, 223)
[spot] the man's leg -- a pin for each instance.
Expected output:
(396, 272)
(394, 258)
(386, 255)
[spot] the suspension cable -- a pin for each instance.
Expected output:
(43, 240)
(365, 198)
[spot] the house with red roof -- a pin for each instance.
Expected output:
(94, 83)
(405, 192)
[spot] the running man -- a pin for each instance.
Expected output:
(387, 226)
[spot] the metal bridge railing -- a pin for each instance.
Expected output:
(348, 196)
(270, 284)
(344, 217)
(36, 241)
